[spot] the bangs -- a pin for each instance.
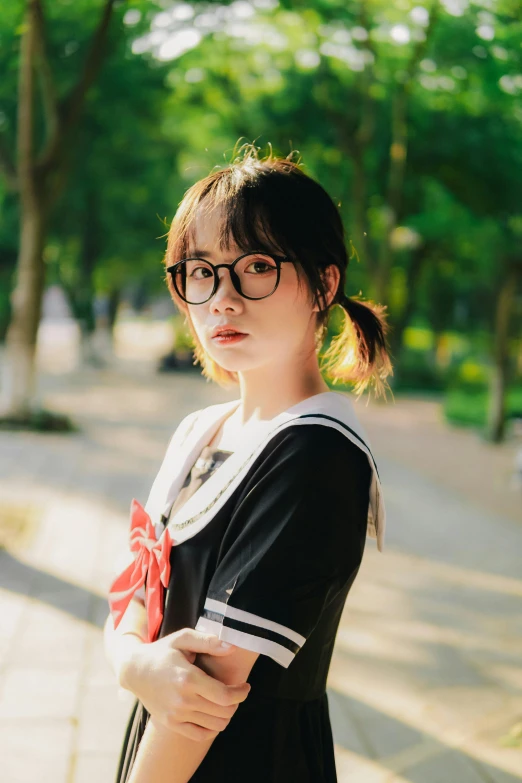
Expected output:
(245, 225)
(257, 213)
(271, 206)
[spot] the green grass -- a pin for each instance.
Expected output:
(468, 407)
(39, 420)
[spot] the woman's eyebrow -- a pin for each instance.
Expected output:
(197, 252)
(203, 253)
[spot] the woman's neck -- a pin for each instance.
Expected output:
(264, 398)
(234, 428)
(228, 434)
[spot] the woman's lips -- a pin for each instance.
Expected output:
(229, 339)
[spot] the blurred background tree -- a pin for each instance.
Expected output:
(410, 114)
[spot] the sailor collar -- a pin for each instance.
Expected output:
(329, 409)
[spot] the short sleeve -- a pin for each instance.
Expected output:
(295, 538)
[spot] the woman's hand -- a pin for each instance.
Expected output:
(178, 694)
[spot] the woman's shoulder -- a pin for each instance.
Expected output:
(311, 453)
(315, 440)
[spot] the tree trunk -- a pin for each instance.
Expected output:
(26, 302)
(496, 425)
(26, 305)
(39, 178)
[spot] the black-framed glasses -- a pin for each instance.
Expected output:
(255, 275)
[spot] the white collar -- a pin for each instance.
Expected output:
(331, 409)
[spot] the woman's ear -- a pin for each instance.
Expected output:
(331, 277)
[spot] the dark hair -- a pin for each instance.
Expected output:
(272, 205)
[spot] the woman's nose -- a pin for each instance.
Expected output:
(226, 294)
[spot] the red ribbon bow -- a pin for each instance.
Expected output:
(152, 562)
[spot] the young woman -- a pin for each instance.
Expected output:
(223, 623)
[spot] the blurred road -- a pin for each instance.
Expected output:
(426, 683)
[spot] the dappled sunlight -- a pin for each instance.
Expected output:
(67, 517)
(426, 669)
(436, 648)
(454, 717)
(349, 765)
(377, 644)
(403, 570)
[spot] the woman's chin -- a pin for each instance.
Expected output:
(233, 363)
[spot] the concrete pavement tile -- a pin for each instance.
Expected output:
(35, 750)
(498, 775)
(346, 731)
(102, 718)
(448, 668)
(12, 607)
(463, 711)
(389, 736)
(68, 597)
(39, 692)
(510, 676)
(99, 610)
(68, 523)
(48, 647)
(15, 577)
(98, 669)
(486, 745)
(351, 767)
(45, 616)
(95, 768)
(448, 766)
(375, 689)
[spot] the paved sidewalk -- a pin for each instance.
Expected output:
(427, 676)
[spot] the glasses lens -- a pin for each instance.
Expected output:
(257, 274)
(195, 280)
(258, 277)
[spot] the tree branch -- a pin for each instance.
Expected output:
(46, 80)
(25, 128)
(74, 103)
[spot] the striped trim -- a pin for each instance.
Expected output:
(247, 627)
(230, 612)
(271, 638)
(247, 641)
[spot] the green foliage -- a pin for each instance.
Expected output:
(319, 80)
(466, 398)
(418, 372)
(468, 406)
(39, 420)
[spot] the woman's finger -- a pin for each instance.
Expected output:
(194, 732)
(216, 691)
(201, 704)
(208, 721)
(187, 639)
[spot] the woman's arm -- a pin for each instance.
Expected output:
(121, 643)
(168, 757)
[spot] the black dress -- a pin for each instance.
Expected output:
(271, 573)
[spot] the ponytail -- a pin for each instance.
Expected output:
(359, 353)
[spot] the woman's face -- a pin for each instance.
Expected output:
(279, 328)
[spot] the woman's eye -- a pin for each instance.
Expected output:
(260, 267)
(201, 269)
